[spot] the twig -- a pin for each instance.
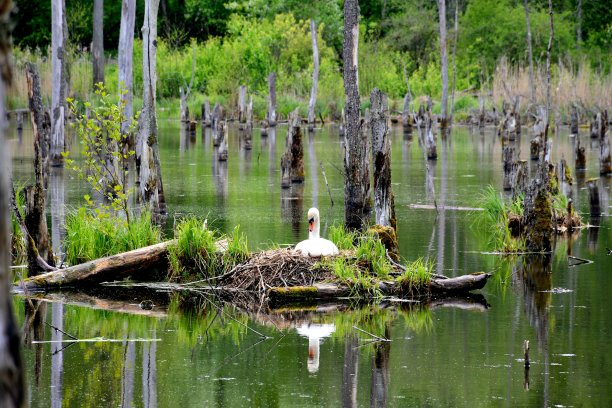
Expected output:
(581, 261)
(326, 183)
(370, 334)
(61, 331)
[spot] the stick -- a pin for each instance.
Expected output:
(370, 334)
(325, 178)
(92, 340)
(581, 261)
(61, 331)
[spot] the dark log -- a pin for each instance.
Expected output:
(593, 187)
(384, 201)
(464, 283)
(116, 267)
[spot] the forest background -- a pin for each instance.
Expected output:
(240, 42)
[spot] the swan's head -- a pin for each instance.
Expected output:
(313, 219)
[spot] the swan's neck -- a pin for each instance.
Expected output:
(314, 234)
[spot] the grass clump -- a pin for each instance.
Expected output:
(18, 245)
(494, 220)
(94, 234)
(416, 276)
(202, 252)
(343, 239)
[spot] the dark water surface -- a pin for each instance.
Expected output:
(463, 352)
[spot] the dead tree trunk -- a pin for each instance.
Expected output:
(126, 46)
(150, 186)
(452, 101)
(406, 117)
(548, 52)
(272, 99)
(594, 197)
(41, 126)
(519, 178)
(97, 46)
(206, 114)
(356, 166)
(292, 160)
(530, 55)
(443, 64)
(599, 126)
(605, 161)
(12, 384)
(183, 106)
(217, 125)
(242, 91)
(574, 120)
(580, 155)
(538, 214)
(36, 224)
(222, 153)
(248, 128)
(384, 200)
(430, 138)
(508, 159)
(315, 77)
(58, 92)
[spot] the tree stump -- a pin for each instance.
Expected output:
(508, 155)
(222, 153)
(605, 160)
(292, 160)
(242, 91)
(272, 99)
(580, 155)
(594, 197)
(519, 178)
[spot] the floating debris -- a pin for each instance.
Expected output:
(557, 290)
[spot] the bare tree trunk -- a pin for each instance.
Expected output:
(150, 186)
(97, 47)
(206, 114)
(384, 201)
(272, 99)
(530, 54)
(548, 51)
(452, 102)
(315, 76)
(443, 63)
(292, 160)
(242, 93)
(58, 93)
(41, 125)
(356, 166)
(126, 46)
(12, 387)
(579, 23)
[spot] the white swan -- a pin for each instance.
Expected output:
(315, 245)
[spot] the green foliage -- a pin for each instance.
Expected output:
(18, 246)
(494, 221)
(92, 235)
(417, 275)
(341, 237)
(201, 251)
(104, 149)
(372, 253)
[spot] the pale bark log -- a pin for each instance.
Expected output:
(126, 47)
(12, 387)
(113, 267)
(356, 166)
(58, 92)
(384, 201)
(97, 47)
(315, 76)
(443, 63)
(150, 188)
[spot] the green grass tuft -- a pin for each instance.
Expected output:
(342, 238)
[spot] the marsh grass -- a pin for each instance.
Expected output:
(343, 239)
(92, 235)
(18, 246)
(202, 252)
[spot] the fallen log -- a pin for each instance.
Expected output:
(464, 283)
(139, 261)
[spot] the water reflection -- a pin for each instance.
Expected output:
(292, 209)
(350, 371)
(315, 332)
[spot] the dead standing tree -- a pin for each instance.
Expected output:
(292, 160)
(443, 64)
(59, 83)
(12, 387)
(125, 62)
(150, 189)
(315, 77)
(272, 99)
(356, 167)
(384, 201)
(97, 46)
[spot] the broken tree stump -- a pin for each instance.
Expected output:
(599, 125)
(430, 139)
(519, 178)
(580, 155)
(407, 119)
(217, 124)
(605, 159)
(36, 225)
(508, 160)
(574, 120)
(222, 153)
(594, 205)
(248, 127)
(242, 91)
(384, 201)
(272, 99)
(206, 121)
(292, 160)
(538, 214)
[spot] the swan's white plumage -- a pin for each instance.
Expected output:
(315, 245)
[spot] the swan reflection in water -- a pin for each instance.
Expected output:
(315, 332)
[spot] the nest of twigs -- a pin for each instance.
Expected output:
(276, 268)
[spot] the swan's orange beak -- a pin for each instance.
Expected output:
(310, 224)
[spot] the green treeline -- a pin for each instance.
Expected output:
(241, 42)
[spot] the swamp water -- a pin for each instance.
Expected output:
(458, 352)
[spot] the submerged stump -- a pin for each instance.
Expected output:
(292, 160)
